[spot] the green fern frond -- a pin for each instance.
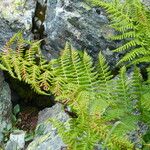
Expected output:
(122, 87)
(129, 34)
(144, 59)
(16, 65)
(126, 46)
(131, 20)
(148, 71)
(14, 39)
(32, 51)
(45, 80)
(24, 70)
(138, 52)
(103, 105)
(6, 63)
(33, 80)
(136, 84)
(104, 76)
(145, 101)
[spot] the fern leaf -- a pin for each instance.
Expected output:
(5, 59)
(136, 84)
(137, 52)
(45, 80)
(126, 46)
(24, 71)
(104, 77)
(145, 101)
(129, 34)
(123, 85)
(32, 51)
(144, 59)
(16, 65)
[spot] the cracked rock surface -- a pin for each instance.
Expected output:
(5, 106)
(47, 136)
(76, 22)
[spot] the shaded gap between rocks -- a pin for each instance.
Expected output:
(38, 29)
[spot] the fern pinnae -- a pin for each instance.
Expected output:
(131, 55)
(126, 46)
(34, 79)
(13, 39)
(5, 59)
(45, 80)
(136, 91)
(16, 65)
(144, 59)
(65, 59)
(77, 66)
(24, 71)
(32, 51)
(123, 85)
(91, 74)
(123, 28)
(104, 77)
(129, 34)
(131, 20)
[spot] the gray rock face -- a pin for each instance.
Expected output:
(5, 106)
(58, 22)
(146, 2)
(76, 22)
(15, 15)
(16, 140)
(47, 137)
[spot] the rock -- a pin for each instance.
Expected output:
(16, 141)
(59, 21)
(76, 22)
(46, 135)
(11, 145)
(15, 15)
(146, 2)
(5, 106)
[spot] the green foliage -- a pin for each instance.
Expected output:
(103, 105)
(131, 20)
(22, 60)
(101, 102)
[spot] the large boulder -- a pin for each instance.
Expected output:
(5, 107)
(15, 15)
(47, 136)
(75, 21)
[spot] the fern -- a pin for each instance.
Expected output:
(104, 77)
(22, 64)
(131, 20)
(89, 99)
(103, 105)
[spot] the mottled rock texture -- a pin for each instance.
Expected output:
(76, 22)
(46, 135)
(15, 15)
(5, 106)
(58, 22)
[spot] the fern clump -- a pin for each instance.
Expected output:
(131, 20)
(22, 60)
(104, 106)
